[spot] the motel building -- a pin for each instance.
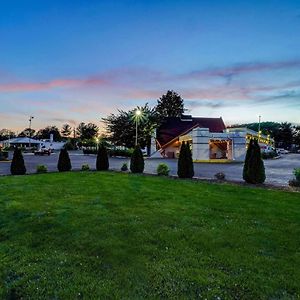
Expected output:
(27, 143)
(209, 139)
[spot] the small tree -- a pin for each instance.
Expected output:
(255, 172)
(246, 163)
(17, 166)
(102, 163)
(137, 161)
(185, 162)
(64, 162)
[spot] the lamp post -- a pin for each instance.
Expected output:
(138, 114)
(30, 119)
(259, 132)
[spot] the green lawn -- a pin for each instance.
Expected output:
(107, 235)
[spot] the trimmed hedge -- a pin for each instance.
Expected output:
(137, 163)
(3, 155)
(185, 162)
(17, 166)
(111, 152)
(102, 163)
(64, 162)
(254, 169)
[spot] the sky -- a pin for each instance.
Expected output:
(67, 61)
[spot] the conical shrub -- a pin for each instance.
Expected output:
(137, 161)
(102, 163)
(190, 164)
(254, 171)
(181, 164)
(185, 162)
(64, 162)
(17, 166)
(246, 163)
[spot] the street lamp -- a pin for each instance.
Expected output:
(30, 119)
(138, 114)
(97, 142)
(259, 132)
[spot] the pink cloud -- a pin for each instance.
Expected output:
(121, 78)
(52, 84)
(99, 95)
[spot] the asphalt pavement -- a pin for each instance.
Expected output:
(278, 171)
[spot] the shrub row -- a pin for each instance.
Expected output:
(111, 152)
(17, 166)
(3, 155)
(253, 172)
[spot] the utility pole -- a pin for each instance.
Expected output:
(30, 119)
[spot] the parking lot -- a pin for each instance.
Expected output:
(278, 171)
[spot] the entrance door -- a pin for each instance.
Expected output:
(220, 149)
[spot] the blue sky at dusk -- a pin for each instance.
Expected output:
(72, 61)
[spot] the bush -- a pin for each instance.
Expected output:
(294, 183)
(17, 166)
(254, 169)
(111, 152)
(246, 163)
(41, 169)
(3, 155)
(124, 167)
(90, 151)
(185, 162)
(220, 176)
(85, 167)
(64, 162)
(137, 161)
(120, 152)
(102, 163)
(297, 174)
(162, 169)
(69, 145)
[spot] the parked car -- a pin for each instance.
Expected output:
(282, 151)
(42, 151)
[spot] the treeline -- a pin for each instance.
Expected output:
(82, 131)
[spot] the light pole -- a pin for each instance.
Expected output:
(138, 114)
(259, 119)
(30, 119)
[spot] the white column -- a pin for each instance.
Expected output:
(201, 138)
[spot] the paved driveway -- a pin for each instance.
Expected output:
(278, 171)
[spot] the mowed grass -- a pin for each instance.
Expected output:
(108, 235)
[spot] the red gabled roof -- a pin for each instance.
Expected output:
(174, 127)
